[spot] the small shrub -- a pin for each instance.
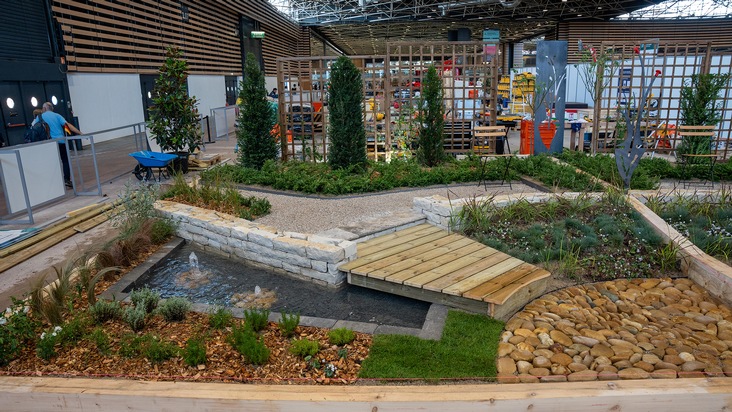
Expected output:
(195, 352)
(161, 230)
(304, 347)
(101, 340)
(135, 318)
(341, 336)
(104, 310)
(288, 323)
(145, 298)
(174, 309)
(46, 345)
(220, 318)
(246, 342)
(15, 332)
(256, 319)
(157, 350)
(73, 330)
(130, 345)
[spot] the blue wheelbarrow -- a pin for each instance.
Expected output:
(148, 160)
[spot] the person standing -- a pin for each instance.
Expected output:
(56, 124)
(273, 94)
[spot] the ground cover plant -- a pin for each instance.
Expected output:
(319, 178)
(586, 238)
(706, 220)
(648, 174)
(467, 349)
(217, 194)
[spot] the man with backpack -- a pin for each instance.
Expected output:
(39, 129)
(56, 124)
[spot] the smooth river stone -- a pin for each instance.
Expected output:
(582, 376)
(506, 366)
(560, 337)
(583, 340)
(693, 366)
(633, 373)
(664, 374)
(601, 350)
(561, 359)
(505, 349)
(576, 367)
(523, 366)
(522, 355)
(542, 362)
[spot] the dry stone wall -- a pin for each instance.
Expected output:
(310, 256)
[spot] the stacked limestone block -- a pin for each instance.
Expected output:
(309, 256)
(624, 329)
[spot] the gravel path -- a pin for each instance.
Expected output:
(306, 214)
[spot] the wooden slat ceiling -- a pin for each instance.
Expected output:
(130, 36)
(360, 27)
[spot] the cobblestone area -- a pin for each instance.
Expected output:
(624, 329)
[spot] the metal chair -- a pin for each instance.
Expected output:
(485, 145)
(689, 160)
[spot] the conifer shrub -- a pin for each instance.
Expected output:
(431, 151)
(346, 129)
(256, 118)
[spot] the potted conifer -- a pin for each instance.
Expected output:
(256, 118)
(174, 120)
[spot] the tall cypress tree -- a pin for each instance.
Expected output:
(256, 118)
(347, 133)
(431, 151)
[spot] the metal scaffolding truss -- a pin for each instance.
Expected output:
(361, 27)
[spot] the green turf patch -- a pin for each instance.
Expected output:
(467, 350)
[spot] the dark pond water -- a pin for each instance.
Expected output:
(225, 277)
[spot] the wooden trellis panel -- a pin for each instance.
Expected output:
(675, 63)
(391, 97)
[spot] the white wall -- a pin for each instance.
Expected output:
(270, 82)
(106, 101)
(209, 90)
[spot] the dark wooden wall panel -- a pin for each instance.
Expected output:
(680, 31)
(129, 36)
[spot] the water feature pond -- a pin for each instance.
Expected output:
(231, 282)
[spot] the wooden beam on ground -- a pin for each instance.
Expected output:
(51, 236)
(110, 395)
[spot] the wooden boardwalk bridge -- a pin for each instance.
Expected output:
(428, 263)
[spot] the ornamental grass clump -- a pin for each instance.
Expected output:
(288, 323)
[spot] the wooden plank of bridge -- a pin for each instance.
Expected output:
(439, 284)
(390, 251)
(427, 257)
(434, 274)
(434, 264)
(381, 243)
(398, 254)
(501, 296)
(481, 291)
(482, 277)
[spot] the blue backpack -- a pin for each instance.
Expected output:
(37, 132)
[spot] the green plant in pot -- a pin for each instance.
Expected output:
(174, 119)
(699, 107)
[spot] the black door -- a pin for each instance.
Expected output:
(57, 96)
(13, 112)
(34, 96)
(147, 84)
(232, 90)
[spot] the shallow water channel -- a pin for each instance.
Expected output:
(221, 278)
